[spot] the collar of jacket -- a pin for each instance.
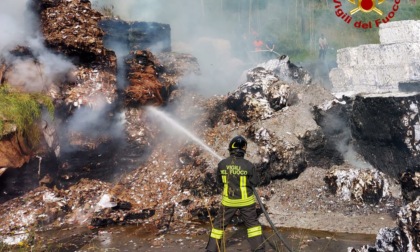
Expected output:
(237, 153)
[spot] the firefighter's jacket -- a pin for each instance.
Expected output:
(237, 175)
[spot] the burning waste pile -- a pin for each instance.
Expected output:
(165, 183)
(266, 89)
(254, 99)
(154, 192)
(287, 71)
(168, 191)
(44, 207)
(71, 28)
(173, 188)
(359, 185)
(152, 78)
(404, 237)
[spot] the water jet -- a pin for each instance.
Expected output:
(162, 115)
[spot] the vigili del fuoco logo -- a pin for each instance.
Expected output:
(365, 6)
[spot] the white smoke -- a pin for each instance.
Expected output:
(19, 28)
(12, 19)
(332, 124)
(97, 121)
(195, 29)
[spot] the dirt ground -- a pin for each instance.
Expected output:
(308, 217)
(305, 203)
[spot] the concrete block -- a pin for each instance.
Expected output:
(335, 76)
(380, 79)
(377, 55)
(377, 79)
(407, 31)
(341, 80)
(414, 71)
(345, 57)
(403, 53)
(379, 68)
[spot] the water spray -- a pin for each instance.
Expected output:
(179, 127)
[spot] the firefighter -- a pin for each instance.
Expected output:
(323, 46)
(258, 44)
(238, 176)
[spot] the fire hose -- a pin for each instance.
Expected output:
(269, 220)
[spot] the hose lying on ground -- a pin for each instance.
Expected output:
(269, 220)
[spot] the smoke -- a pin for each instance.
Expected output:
(19, 28)
(220, 70)
(36, 75)
(337, 128)
(13, 26)
(345, 146)
(206, 33)
(221, 33)
(121, 51)
(98, 120)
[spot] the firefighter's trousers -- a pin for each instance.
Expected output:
(223, 218)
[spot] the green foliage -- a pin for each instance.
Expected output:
(291, 46)
(408, 12)
(24, 111)
(296, 25)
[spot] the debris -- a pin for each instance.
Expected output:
(105, 202)
(360, 185)
(404, 237)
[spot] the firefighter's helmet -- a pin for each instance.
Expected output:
(238, 142)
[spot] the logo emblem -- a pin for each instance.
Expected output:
(386, 12)
(366, 6)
